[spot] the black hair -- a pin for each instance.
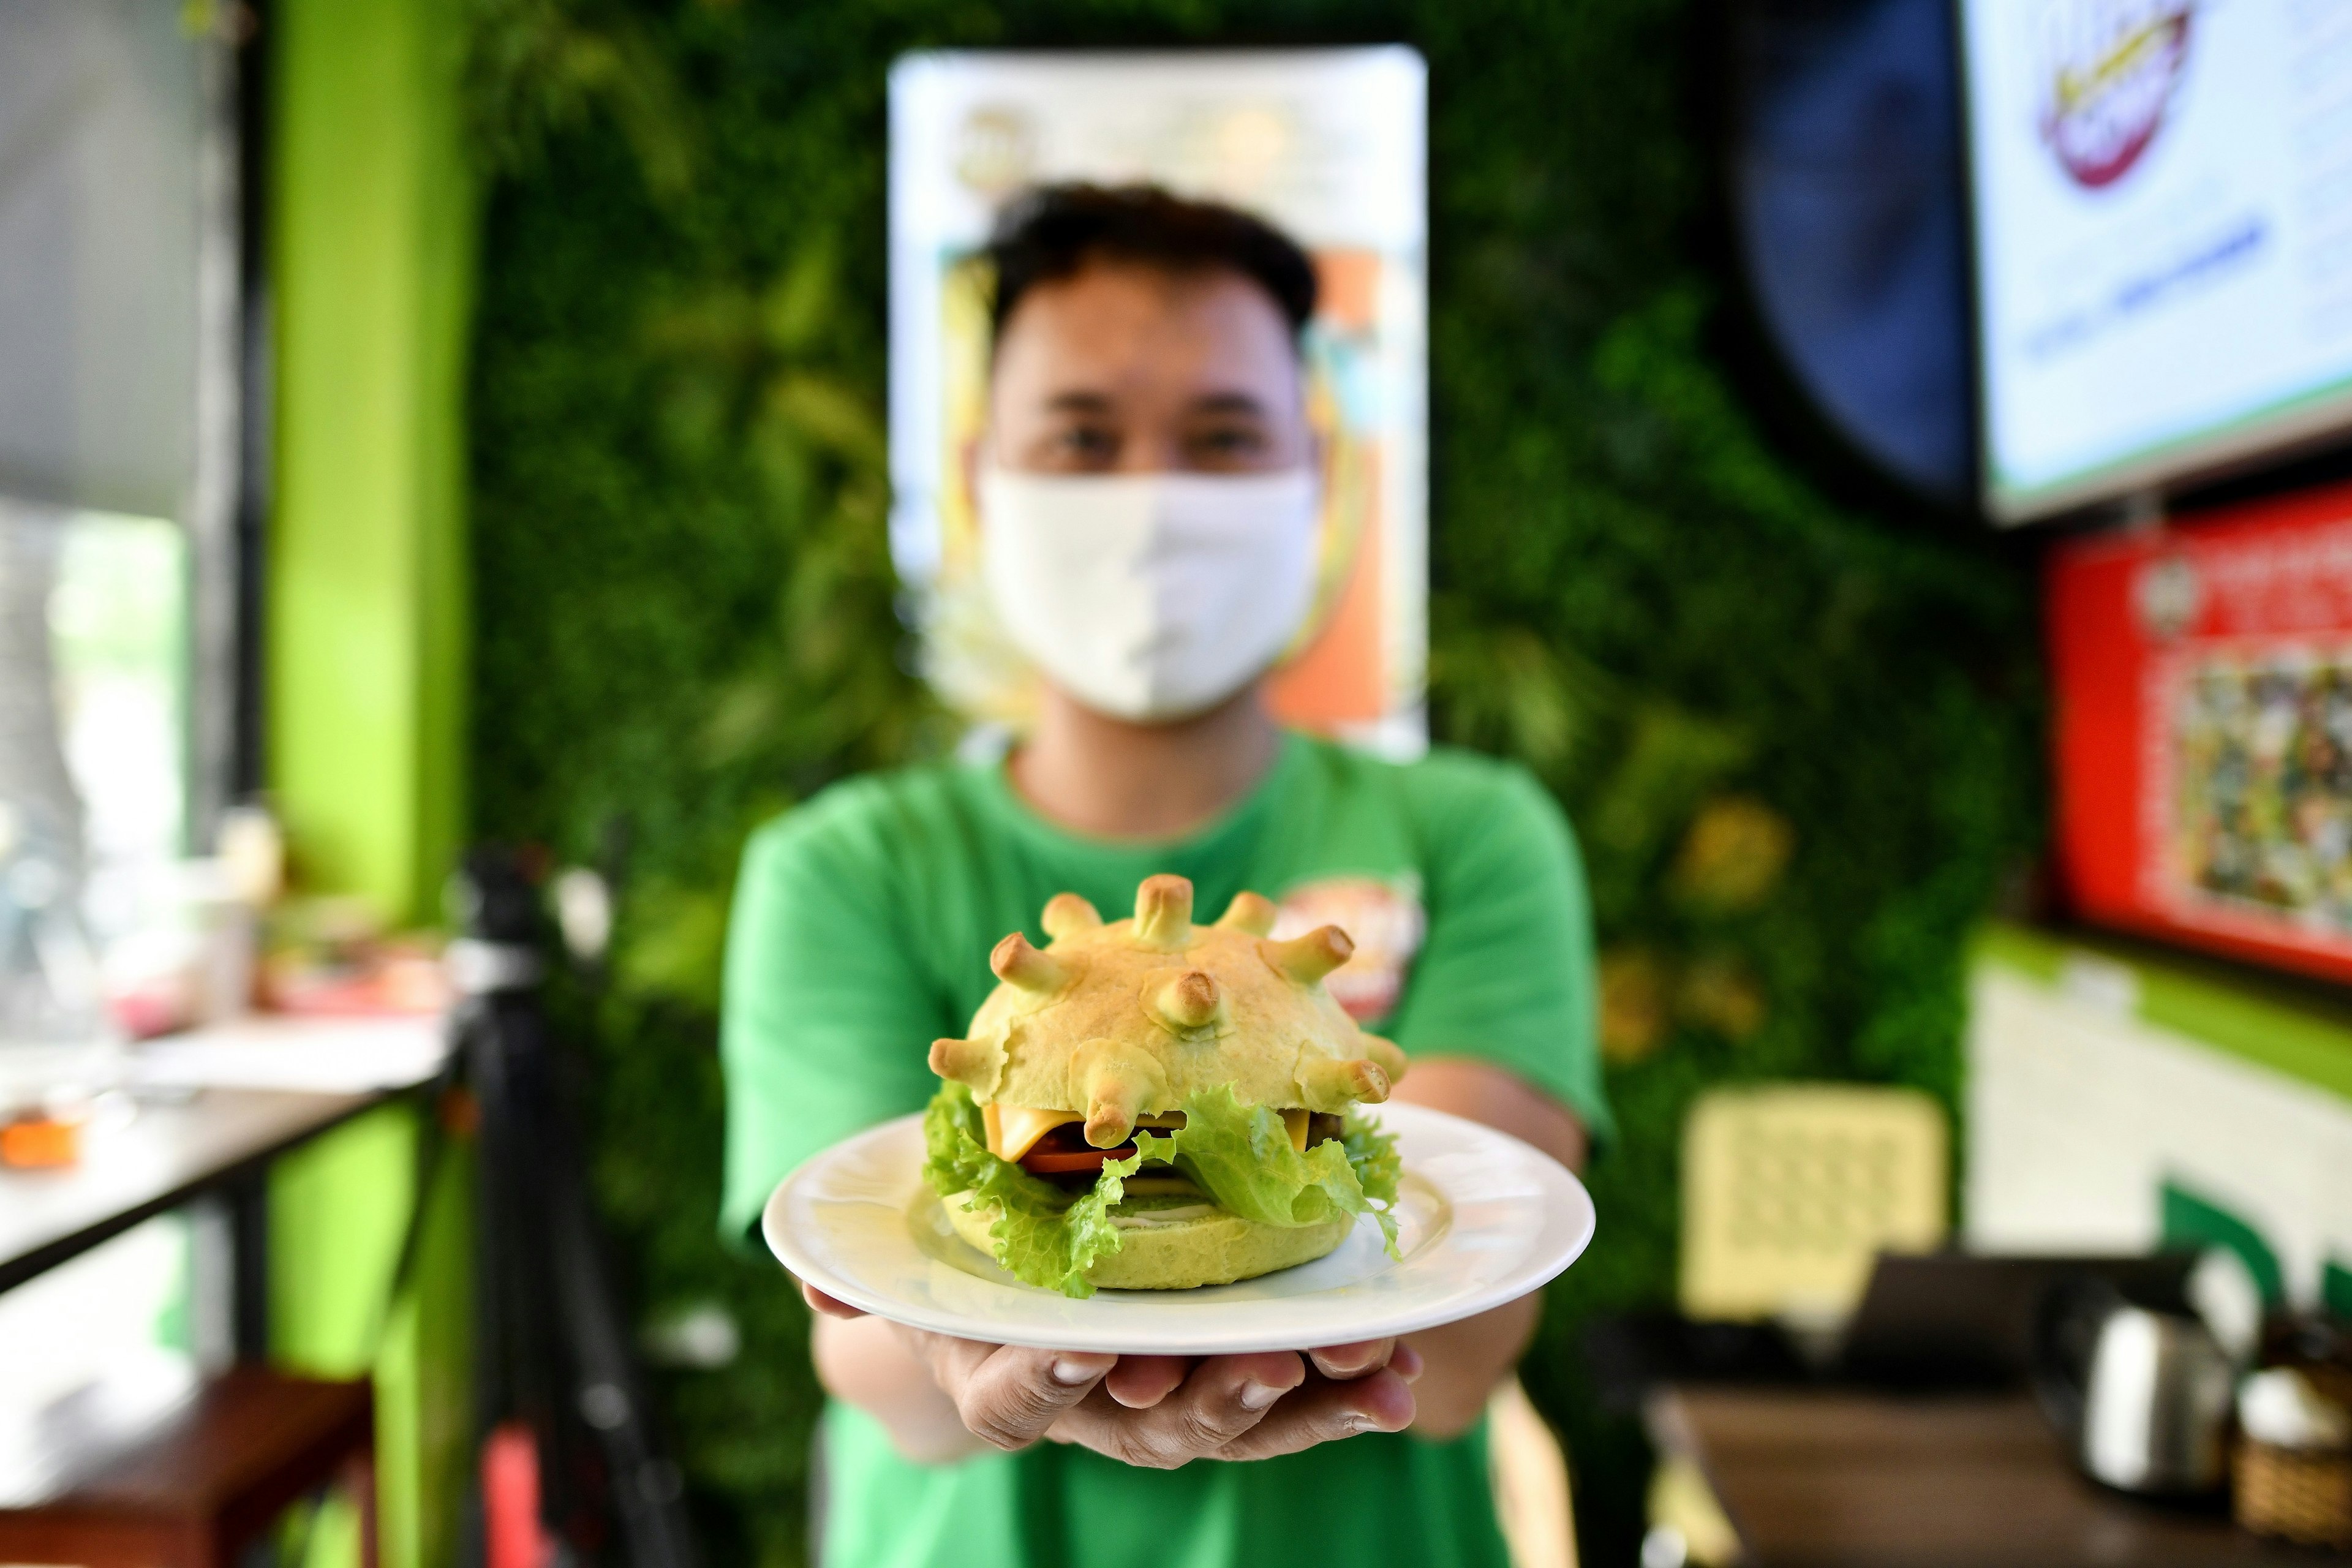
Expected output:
(1050, 232)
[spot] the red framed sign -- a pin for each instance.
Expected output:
(2203, 687)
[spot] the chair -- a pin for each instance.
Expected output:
(191, 1489)
(1790, 1192)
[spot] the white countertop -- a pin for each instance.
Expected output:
(208, 1103)
(315, 1055)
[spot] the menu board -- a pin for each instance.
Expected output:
(2163, 214)
(2203, 677)
(1329, 145)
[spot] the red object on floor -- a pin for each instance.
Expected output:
(513, 1535)
(2203, 687)
(203, 1479)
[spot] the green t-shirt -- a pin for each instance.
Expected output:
(862, 924)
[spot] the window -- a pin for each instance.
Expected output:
(121, 295)
(122, 306)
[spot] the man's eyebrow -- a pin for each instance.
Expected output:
(1228, 403)
(1079, 403)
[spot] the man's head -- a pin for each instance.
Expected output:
(1136, 332)
(1148, 490)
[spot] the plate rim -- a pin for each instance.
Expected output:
(1525, 1275)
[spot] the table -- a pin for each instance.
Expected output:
(1843, 1479)
(157, 1450)
(170, 1153)
(236, 1097)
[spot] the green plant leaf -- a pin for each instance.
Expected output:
(1240, 1155)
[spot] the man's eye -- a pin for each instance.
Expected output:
(1228, 442)
(1092, 442)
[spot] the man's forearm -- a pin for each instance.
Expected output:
(1464, 1362)
(862, 1362)
(1481, 1092)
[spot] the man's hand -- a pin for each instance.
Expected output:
(1156, 1412)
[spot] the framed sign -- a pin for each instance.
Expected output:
(1327, 144)
(2203, 677)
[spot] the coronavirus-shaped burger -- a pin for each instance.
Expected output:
(1152, 1104)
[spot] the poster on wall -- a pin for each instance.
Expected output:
(1327, 144)
(2163, 215)
(2203, 678)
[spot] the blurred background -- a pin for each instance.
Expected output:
(1882, 463)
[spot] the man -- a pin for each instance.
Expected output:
(1147, 486)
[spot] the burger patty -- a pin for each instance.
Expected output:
(1063, 1157)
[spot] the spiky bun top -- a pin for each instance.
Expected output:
(1118, 1021)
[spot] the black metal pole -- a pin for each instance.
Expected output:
(553, 1346)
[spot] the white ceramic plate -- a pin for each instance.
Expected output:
(1483, 1218)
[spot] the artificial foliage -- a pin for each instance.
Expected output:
(1796, 732)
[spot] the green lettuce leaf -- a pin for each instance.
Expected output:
(1241, 1157)
(1373, 1155)
(1044, 1235)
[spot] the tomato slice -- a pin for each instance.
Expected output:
(1059, 1162)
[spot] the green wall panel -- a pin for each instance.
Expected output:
(424, 1386)
(337, 1208)
(340, 1211)
(2296, 1027)
(372, 219)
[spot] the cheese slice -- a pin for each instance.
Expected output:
(1295, 1124)
(1014, 1130)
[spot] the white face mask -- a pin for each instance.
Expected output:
(1149, 596)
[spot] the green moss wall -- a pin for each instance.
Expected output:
(1798, 736)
